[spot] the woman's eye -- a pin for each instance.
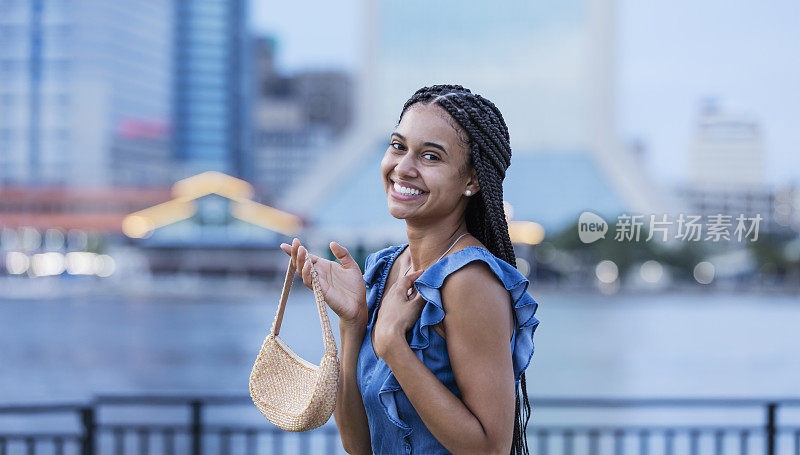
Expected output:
(399, 146)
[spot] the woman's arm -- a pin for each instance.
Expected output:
(349, 413)
(478, 328)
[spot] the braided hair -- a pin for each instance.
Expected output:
(490, 154)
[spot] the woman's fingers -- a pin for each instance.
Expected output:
(295, 246)
(301, 254)
(408, 280)
(307, 274)
(343, 255)
(298, 255)
(411, 292)
(301, 258)
(406, 283)
(303, 262)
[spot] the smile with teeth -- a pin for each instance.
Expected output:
(407, 191)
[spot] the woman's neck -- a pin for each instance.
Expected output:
(425, 250)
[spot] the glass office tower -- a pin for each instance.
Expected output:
(84, 92)
(97, 93)
(210, 109)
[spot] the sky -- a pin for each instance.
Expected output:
(670, 55)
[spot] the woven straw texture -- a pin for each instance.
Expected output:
(292, 393)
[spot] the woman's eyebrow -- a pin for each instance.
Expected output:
(429, 144)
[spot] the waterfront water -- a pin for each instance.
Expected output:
(586, 345)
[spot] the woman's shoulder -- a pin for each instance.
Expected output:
(429, 285)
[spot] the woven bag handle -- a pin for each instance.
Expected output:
(327, 332)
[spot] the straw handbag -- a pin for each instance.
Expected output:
(292, 393)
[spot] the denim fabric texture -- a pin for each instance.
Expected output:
(395, 426)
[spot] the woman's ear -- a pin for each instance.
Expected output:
(472, 183)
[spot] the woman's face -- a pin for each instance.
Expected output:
(426, 153)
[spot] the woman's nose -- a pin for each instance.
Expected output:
(407, 164)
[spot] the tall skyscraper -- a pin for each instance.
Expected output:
(211, 87)
(96, 93)
(84, 92)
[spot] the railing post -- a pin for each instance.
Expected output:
(770, 429)
(88, 423)
(197, 427)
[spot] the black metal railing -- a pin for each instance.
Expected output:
(661, 439)
(198, 433)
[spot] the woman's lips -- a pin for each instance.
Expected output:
(401, 196)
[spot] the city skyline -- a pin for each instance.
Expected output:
(667, 56)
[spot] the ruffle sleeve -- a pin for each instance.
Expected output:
(429, 285)
(369, 270)
(374, 268)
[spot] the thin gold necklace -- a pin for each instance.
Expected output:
(440, 257)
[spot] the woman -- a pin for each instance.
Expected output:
(426, 366)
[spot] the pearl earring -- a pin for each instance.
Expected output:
(468, 192)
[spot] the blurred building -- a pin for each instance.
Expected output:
(550, 70)
(103, 105)
(85, 92)
(47, 230)
(778, 207)
(727, 151)
(211, 111)
(212, 225)
(297, 118)
(110, 94)
(550, 188)
(68, 208)
(727, 170)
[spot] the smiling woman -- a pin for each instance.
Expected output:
(440, 329)
(449, 145)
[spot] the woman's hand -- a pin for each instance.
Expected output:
(397, 313)
(342, 285)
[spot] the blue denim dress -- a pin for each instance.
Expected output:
(395, 426)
